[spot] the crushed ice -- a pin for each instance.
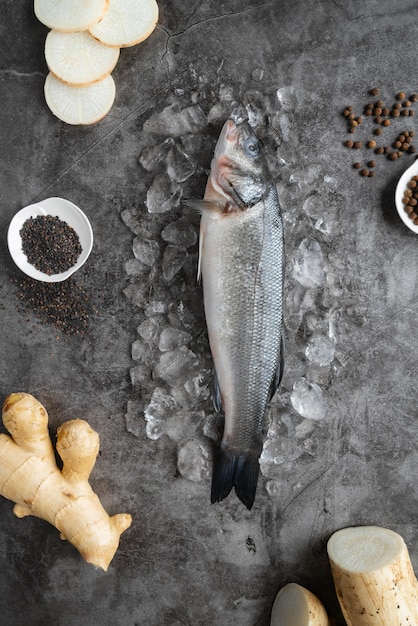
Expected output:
(171, 373)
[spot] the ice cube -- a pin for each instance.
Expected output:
(171, 338)
(141, 352)
(146, 250)
(176, 122)
(180, 233)
(139, 373)
(180, 166)
(193, 461)
(320, 350)
(174, 258)
(161, 406)
(133, 418)
(176, 366)
(152, 156)
(149, 330)
(308, 264)
(308, 400)
(181, 426)
(163, 195)
(134, 267)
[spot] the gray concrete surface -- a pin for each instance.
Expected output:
(341, 433)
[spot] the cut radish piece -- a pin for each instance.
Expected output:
(126, 22)
(373, 577)
(296, 606)
(78, 58)
(70, 15)
(79, 105)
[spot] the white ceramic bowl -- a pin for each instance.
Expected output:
(67, 212)
(400, 189)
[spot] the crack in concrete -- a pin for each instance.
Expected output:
(206, 20)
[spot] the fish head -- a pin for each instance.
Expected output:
(239, 170)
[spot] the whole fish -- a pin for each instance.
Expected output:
(241, 262)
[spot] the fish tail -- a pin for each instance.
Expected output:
(235, 469)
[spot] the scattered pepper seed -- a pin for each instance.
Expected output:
(371, 143)
(400, 95)
(374, 91)
(357, 145)
(357, 165)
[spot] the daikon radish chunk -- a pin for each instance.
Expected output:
(296, 606)
(70, 15)
(126, 22)
(79, 105)
(78, 58)
(373, 577)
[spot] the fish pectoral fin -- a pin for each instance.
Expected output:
(223, 208)
(216, 393)
(275, 384)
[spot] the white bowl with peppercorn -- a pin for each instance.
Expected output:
(406, 197)
(50, 240)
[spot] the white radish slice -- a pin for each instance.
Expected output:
(78, 58)
(373, 577)
(296, 606)
(126, 22)
(70, 15)
(79, 105)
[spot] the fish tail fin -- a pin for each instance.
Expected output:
(235, 469)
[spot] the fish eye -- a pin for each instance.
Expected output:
(251, 147)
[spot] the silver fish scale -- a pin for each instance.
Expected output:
(249, 316)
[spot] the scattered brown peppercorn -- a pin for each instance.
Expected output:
(357, 145)
(400, 95)
(377, 111)
(371, 143)
(379, 150)
(395, 113)
(357, 165)
(371, 163)
(405, 112)
(411, 112)
(378, 120)
(407, 103)
(364, 172)
(414, 97)
(385, 111)
(393, 156)
(374, 91)
(411, 150)
(377, 131)
(368, 111)
(349, 143)
(386, 123)
(371, 173)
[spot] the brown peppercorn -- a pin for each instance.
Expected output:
(411, 112)
(371, 163)
(346, 112)
(353, 123)
(407, 103)
(405, 200)
(412, 133)
(371, 143)
(413, 215)
(359, 120)
(357, 165)
(412, 184)
(416, 221)
(405, 146)
(395, 113)
(364, 172)
(377, 131)
(374, 91)
(377, 111)
(379, 150)
(413, 202)
(405, 112)
(368, 111)
(408, 193)
(378, 120)
(385, 111)
(349, 143)
(396, 105)
(371, 173)
(397, 144)
(400, 95)
(386, 149)
(386, 123)
(357, 145)
(351, 116)
(414, 97)
(393, 156)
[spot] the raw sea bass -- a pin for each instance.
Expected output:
(242, 263)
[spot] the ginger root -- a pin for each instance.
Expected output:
(30, 477)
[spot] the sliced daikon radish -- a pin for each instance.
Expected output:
(126, 22)
(296, 606)
(70, 15)
(78, 58)
(79, 105)
(373, 577)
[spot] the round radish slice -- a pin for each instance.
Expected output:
(70, 15)
(79, 105)
(126, 22)
(78, 58)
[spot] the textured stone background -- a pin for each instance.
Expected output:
(341, 433)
